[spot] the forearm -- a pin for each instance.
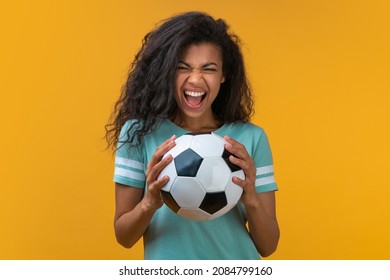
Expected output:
(263, 228)
(135, 207)
(130, 226)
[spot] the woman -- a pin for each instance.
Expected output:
(189, 76)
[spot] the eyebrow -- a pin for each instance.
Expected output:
(203, 66)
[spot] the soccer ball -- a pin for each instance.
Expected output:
(200, 186)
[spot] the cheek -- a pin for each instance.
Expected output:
(179, 80)
(177, 87)
(215, 85)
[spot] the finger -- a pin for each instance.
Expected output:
(248, 168)
(236, 148)
(245, 163)
(161, 151)
(240, 182)
(158, 184)
(156, 169)
(239, 162)
(165, 147)
(248, 186)
(239, 152)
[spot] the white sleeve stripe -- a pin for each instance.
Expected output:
(265, 181)
(129, 174)
(264, 170)
(129, 163)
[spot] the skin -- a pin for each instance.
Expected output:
(200, 70)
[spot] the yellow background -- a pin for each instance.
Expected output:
(320, 72)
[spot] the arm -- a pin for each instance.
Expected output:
(134, 210)
(260, 207)
(262, 222)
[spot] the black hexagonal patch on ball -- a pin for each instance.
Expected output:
(169, 201)
(225, 157)
(213, 202)
(187, 163)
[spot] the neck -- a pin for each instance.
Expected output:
(197, 125)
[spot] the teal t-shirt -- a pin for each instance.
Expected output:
(170, 236)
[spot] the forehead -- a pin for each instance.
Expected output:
(202, 52)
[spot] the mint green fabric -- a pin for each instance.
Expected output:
(170, 236)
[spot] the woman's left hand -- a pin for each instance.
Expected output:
(260, 207)
(242, 159)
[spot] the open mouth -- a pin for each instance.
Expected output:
(194, 98)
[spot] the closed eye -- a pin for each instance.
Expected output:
(182, 68)
(209, 69)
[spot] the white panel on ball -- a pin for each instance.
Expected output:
(208, 145)
(182, 143)
(213, 174)
(187, 192)
(234, 192)
(170, 171)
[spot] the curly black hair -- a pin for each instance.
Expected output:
(148, 94)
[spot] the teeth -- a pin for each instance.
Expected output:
(194, 93)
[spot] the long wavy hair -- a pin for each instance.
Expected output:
(148, 94)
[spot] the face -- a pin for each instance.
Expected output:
(198, 80)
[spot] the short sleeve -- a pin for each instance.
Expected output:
(265, 180)
(129, 162)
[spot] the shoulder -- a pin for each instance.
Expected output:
(130, 124)
(252, 136)
(244, 129)
(135, 124)
(129, 131)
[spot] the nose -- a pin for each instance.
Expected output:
(195, 76)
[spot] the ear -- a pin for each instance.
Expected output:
(223, 79)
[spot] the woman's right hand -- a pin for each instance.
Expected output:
(152, 199)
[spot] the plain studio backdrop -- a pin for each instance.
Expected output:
(320, 74)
